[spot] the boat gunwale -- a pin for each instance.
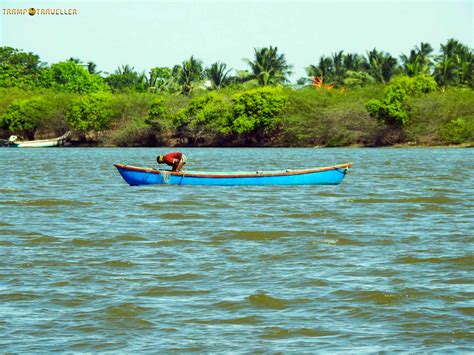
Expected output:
(29, 144)
(39, 141)
(250, 175)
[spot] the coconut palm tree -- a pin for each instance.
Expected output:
(419, 61)
(92, 68)
(353, 62)
(126, 78)
(189, 74)
(324, 70)
(338, 67)
(455, 64)
(74, 60)
(380, 65)
(424, 51)
(218, 74)
(269, 67)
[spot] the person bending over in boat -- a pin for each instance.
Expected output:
(174, 159)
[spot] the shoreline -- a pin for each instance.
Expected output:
(396, 146)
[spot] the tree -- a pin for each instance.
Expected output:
(159, 79)
(393, 108)
(338, 68)
(90, 113)
(256, 114)
(323, 70)
(24, 116)
(380, 65)
(190, 74)
(158, 116)
(125, 78)
(355, 79)
(353, 61)
(18, 68)
(269, 67)
(218, 74)
(418, 62)
(334, 70)
(206, 118)
(70, 77)
(455, 65)
(92, 68)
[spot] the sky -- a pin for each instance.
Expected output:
(146, 33)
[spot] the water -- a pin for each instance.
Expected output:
(383, 261)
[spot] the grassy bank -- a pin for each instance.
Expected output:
(238, 117)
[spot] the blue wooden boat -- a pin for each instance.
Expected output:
(332, 175)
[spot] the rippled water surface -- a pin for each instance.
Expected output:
(383, 261)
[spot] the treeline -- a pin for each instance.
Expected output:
(347, 98)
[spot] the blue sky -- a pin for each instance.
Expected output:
(149, 33)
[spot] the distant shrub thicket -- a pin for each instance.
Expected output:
(346, 99)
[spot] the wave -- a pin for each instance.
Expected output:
(168, 291)
(258, 235)
(430, 200)
(48, 203)
(262, 300)
(251, 320)
(180, 277)
(282, 333)
(464, 260)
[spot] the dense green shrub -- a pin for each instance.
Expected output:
(19, 69)
(420, 84)
(158, 115)
(24, 116)
(458, 130)
(357, 79)
(309, 118)
(204, 120)
(91, 113)
(71, 77)
(393, 107)
(257, 113)
(135, 134)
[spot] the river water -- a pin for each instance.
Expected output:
(382, 262)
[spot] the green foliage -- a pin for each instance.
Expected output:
(419, 60)
(24, 116)
(455, 65)
(126, 79)
(458, 130)
(159, 116)
(256, 113)
(420, 84)
(356, 79)
(18, 69)
(71, 77)
(269, 67)
(204, 119)
(218, 74)
(91, 113)
(136, 133)
(169, 103)
(160, 80)
(189, 75)
(393, 107)
(328, 118)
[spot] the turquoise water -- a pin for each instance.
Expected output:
(382, 262)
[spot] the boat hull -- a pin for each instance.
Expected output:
(44, 143)
(319, 176)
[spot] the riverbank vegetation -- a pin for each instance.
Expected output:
(374, 99)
